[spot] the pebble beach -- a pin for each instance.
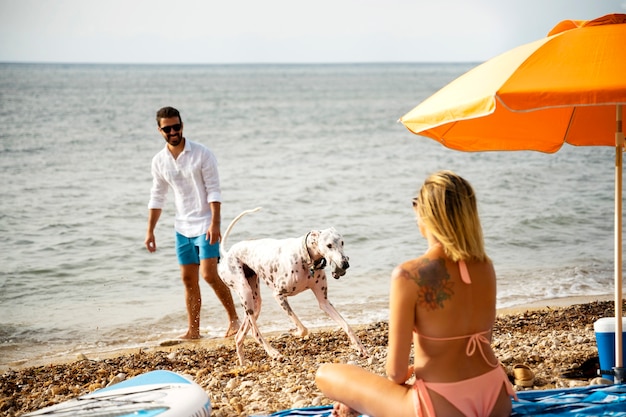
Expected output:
(549, 340)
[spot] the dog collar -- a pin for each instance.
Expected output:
(313, 265)
(317, 265)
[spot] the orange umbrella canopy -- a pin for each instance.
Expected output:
(562, 88)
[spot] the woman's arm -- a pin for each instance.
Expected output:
(402, 299)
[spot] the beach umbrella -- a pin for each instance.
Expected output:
(567, 87)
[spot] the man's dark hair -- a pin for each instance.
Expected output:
(166, 113)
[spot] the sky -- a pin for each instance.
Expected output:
(279, 31)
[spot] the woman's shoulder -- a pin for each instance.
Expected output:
(420, 268)
(408, 268)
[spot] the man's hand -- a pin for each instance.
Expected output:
(150, 242)
(213, 235)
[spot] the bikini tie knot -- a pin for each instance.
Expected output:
(477, 341)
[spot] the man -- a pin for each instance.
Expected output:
(190, 169)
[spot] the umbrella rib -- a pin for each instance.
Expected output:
(569, 124)
(557, 106)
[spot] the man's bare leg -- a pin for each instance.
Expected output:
(193, 300)
(210, 275)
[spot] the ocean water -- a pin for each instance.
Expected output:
(314, 145)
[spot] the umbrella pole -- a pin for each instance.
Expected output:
(619, 149)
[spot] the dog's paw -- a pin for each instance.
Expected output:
(299, 332)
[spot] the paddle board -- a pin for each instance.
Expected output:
(156, 393)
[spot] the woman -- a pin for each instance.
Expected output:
(442, 303)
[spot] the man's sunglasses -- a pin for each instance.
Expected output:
(168, 129)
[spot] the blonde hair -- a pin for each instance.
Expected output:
(446, 204)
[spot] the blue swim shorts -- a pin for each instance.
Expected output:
(190, 250)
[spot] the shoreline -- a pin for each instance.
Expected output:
(551, 337)
(554, 303)
(213, 342)
(210, 343)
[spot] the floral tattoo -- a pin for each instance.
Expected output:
(434, 284)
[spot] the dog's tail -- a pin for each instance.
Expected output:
(230, 227)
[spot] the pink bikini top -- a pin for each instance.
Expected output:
(476, 340)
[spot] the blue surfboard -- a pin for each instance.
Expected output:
(156, 393)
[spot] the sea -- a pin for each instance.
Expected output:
(314, 145)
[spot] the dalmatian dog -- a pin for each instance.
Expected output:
(288, 267)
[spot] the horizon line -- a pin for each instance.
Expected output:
(232, 63)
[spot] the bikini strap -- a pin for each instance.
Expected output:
(421, 397)
(464, 272)
(479, 340)
(474, 341)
